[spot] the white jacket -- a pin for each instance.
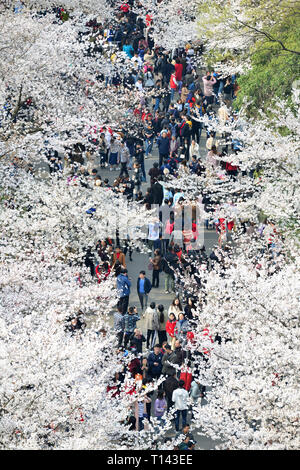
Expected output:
(180, 397)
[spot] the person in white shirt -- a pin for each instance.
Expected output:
(180, 398)
(139, 84)
(194, 149)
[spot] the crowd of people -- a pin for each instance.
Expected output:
(171, 98)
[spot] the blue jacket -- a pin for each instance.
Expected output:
(163, 145)
(147, 285)
(130, 321)
(153, 370)
(123, 285)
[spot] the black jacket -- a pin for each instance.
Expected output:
(169, 263)
(147, 285)
(158, 193)
(169, 385)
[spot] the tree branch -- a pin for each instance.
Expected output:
(268, 36)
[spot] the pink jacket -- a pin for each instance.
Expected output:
(208, 85)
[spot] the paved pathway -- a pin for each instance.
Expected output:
(140, 262)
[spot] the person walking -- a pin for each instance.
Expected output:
(151, 324)
(169, 265)
(144, 286)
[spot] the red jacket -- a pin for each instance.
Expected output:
(148, 20)
(102, 275)
(178, 72)
(187, 377)
(230, 167)
(125, 7)
(170, 327)
(173, 82)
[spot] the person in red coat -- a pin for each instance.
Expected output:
(103, 271)
(178, 74)
(170, 330)
(186, 376)
(125, 7)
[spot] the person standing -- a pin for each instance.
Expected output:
(158, 192)
(103, 148)
(119, 325)
(123, 286)
(137, 341)
(173, 85)
(156, 262)
(208, 83)
(152, 324)
(182, 327)
(175, 307)
(160, 406)
(169, 362)
(124, 159)
(118, 255)
(155, 362)
(130, 319)
(180, 398)
(162, 317)
(193, 149)
(140, 158)
(178, 74)
(169, 385)
(163, 143)
(196, 391)
(114, 153)
(149, 136)
(144, 286)
(154, 173)
(170, 330)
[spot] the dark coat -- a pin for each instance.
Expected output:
(147, 285)
(169, 385)
(163, 144)
(154, 173)
(169, 263)
(158, 193)
(155, 371)
(173, 359)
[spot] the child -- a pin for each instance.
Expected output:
(160, 406)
